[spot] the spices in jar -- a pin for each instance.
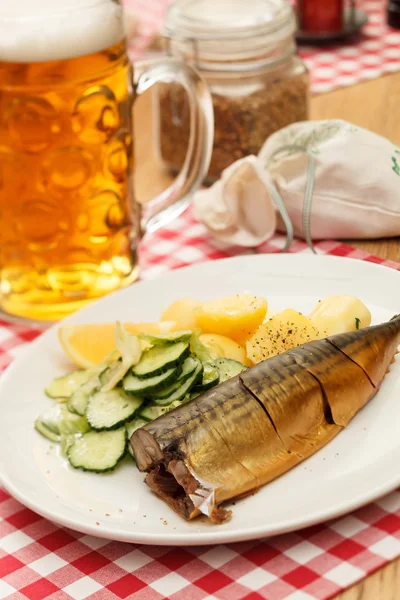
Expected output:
(247, 55)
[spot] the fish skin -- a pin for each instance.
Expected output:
(247, 420)
(321, 360)
(372, 348)
(294, 400)
(216, 448)
(254, 427)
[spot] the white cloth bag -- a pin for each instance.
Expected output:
(316, 179)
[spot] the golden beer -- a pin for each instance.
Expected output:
(69, 225)
(67, 233)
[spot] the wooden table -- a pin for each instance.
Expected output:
(374, 105)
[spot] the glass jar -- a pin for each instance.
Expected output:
(246, 53)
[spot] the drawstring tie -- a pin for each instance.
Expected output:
(307, 199)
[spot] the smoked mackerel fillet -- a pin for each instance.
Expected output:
(248, 430)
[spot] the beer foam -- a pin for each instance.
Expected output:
(43, 30)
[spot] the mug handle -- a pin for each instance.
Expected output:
(172, 202)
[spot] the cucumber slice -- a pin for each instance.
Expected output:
(73, 424)
(143, 387)
(98, 451)
(198, 348)
(46, 432)
(166, 338)
(63, 387)
(228, 368)
(60, 420)
(188, 368)
(210, 378)
(183, 389)
(67, 440)
(110, 410)
(149, 413)
(130, 428)
(133, 425)
(161, 358)
(78, 401)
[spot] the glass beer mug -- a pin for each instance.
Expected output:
(70, 226)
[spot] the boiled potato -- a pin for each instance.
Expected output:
(270, 313)
(339, 314)
(284, 331)
(236, 317)
(182, 312)
(221, 346)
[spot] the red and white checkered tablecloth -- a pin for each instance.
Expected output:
(39, 560)
(374, 53)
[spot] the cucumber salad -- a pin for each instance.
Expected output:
(95, 411)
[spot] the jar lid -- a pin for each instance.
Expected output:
(247, 28)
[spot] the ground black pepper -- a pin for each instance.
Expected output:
(241, 123)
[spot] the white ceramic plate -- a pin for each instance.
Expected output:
(358, 466)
